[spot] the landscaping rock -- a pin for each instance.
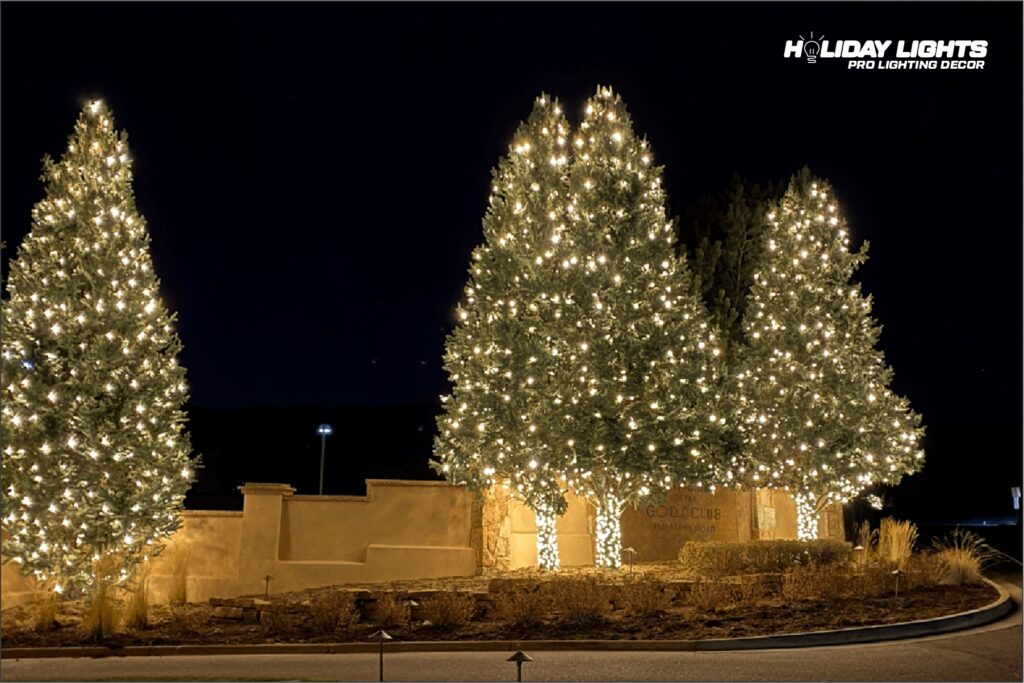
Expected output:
(226, 612)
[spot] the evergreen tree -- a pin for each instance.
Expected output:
(727, 233)
(498, 358)
(633, 406)
(95, 456)
(814, 404)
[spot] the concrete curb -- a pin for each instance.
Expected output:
(847, 636)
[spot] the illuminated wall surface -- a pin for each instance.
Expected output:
(420, 529)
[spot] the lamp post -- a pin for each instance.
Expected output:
(324, 431)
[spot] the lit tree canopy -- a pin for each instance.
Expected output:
(498, 356)
(583, 355)
(95, 456)
(635, 406)
(814, 404)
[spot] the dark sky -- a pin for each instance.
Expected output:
(314, 176)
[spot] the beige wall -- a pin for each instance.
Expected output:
(423, 529)
(398, 530)
(657, 532)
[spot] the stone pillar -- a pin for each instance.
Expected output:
(261, 534)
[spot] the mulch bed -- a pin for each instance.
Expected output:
(195, 623)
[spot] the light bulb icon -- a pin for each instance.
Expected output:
(812, 48)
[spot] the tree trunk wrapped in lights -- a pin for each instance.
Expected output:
(814, 405)
(495, 422)
(95, 455)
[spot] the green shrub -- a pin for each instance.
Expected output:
(721, 558)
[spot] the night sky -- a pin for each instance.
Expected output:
(314, 176)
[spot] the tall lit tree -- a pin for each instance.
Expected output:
(95, 456)
(634, 404)
(815, 407)
(498, 357)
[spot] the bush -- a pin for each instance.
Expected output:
(449, 610)
(645, 597)
(721, 558)
(924, 569)
(278, 622)
(709, 596)
(391, 612)
(136, 613)
(580, 601)
(521, 608)
(333, 611)
(963, 555)
(896, 541)
(44, 616)
(817, 582)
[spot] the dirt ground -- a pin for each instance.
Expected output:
(767, 614)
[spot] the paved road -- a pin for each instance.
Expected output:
(988, 653)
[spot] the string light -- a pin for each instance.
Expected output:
(73, 507)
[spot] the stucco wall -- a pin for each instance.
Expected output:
(399, 530)
(422, 529)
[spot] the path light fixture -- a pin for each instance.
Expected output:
(381, 636)
(324, 431)
(519, 657)
(631, 553)
(897, 573)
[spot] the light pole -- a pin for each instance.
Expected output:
(324, 431)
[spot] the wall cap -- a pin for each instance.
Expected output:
(211, 513)
(262, 489)
(411, 482)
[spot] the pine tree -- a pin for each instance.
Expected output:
(814, 404)
(727, 231)
(634, 401)
(498, 356)
(95, 456)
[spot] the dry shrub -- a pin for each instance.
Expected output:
(521, 608)
(871, 580)
(44, 614)
(709, 596)
(187, 618)
(749, 589)
(100, 620)
(723, 558)
(278, 622)
(963, 555)
(813, 582)
(333, 611)
(580, 601)
(867, 539)
(178, 588)
(391, 612)
(896, 541)
(136, 614)
(449, 610)
(645, 597)
(924, 569)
